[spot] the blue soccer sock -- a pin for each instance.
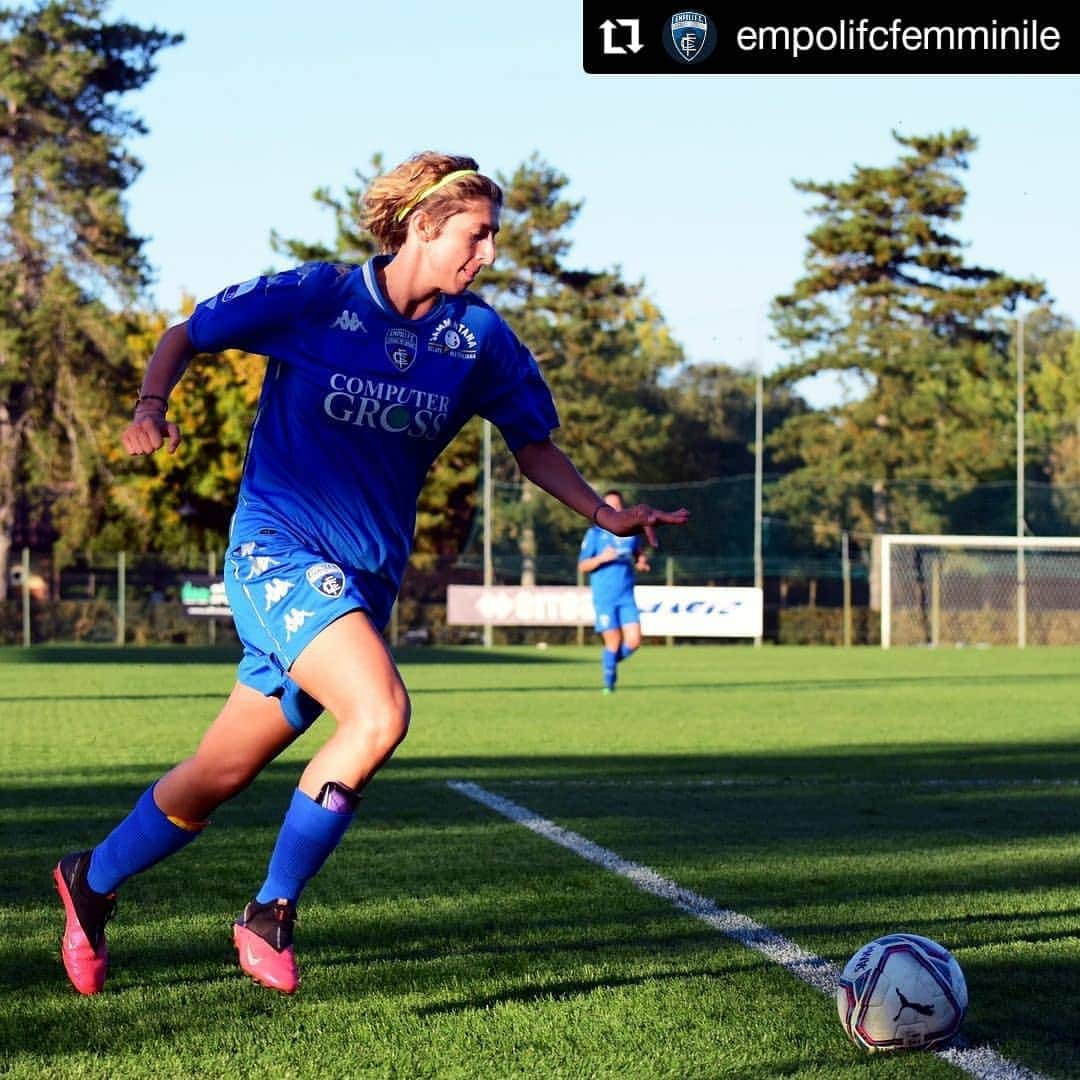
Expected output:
(145, 837)
(608, 660)
(625, 651)
(309, 834)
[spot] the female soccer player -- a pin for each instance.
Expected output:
(372, 370)
(610, 561)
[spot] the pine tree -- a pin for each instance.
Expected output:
(920, 336)
(66, 250)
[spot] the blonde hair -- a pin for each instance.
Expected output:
(402, 189)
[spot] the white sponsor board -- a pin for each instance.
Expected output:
(675, 610)
(544, 605)
(687, 611)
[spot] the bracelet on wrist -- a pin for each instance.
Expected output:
(596, 513)
(163, 401)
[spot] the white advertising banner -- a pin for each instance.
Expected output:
(688, 611)
(666, 610)
(544, 605)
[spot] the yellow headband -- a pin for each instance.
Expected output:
(431, 191)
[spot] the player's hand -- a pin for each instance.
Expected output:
(610, 553)
(150, 431)
(639, 519)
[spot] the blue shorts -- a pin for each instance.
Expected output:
(282, 597)
(616, 614)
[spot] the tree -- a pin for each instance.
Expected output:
(65, 249)
(1052, 363)
(713, 413)
(888, 301)
(601, 342)
(166, 502)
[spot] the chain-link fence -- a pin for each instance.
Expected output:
(942, 591)
(122, 598)
(817, 587)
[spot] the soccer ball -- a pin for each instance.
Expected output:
(901, 992)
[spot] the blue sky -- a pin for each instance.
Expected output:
(686, 180)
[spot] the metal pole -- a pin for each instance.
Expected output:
(1021, 567)
(26, 597)
(935, 602)
(211, 569)
(581, 626)
(885, 575)
(489, 571)
(759, 427)
(121, 597)
(845, 569)
(669, 579)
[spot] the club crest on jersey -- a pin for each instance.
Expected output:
(401, 347)
(327, 578)
(451, 338)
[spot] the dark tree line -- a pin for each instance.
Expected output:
(925, 340)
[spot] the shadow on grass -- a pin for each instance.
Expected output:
(625, 693)
(569, 989)
(114, 654)
(230, 654)
(456, 893)
(215, 695)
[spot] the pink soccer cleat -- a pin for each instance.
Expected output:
(263, 939)
(83, 949)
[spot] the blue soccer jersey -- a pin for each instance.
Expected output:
(357, 403)
(613, 581)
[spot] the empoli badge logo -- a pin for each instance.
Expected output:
(691, 36)
(327, 578)
(401, 347)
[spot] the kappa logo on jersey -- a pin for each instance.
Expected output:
(257, 564)
(294, 620)
(348, 320)
(292, 277)
(327, 578)
(453, 339)
(401, 347)
(234, 291)
(276, 590)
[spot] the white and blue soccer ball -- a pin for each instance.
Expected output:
(902, 992)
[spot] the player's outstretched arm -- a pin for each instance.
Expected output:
(549, 468)
(149, 429)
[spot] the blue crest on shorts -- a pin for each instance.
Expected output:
(689, 33)
(326, 578)
(401, 347)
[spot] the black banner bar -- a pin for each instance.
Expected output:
(634, 37)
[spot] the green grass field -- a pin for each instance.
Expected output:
(831, 795)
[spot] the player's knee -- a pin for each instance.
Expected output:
(220, 779)
(382, 725)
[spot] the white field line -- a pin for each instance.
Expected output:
(981, 1062)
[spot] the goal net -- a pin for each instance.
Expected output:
(980, 590)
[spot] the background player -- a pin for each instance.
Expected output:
(610, 561)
